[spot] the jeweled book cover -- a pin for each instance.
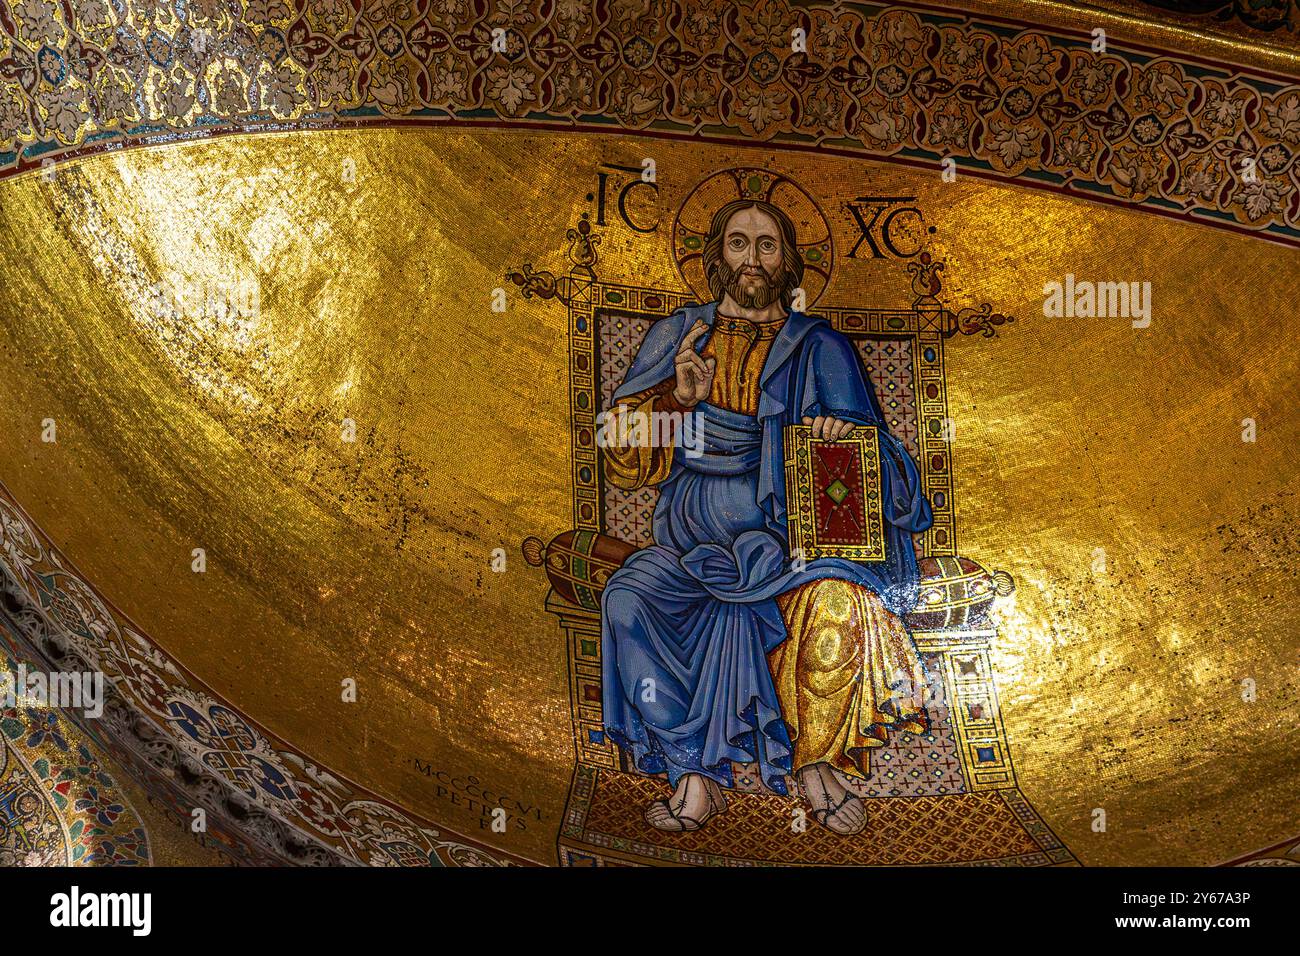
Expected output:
(833, 494)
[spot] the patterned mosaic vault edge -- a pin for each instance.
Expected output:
(1133, 125)
(59, 806)
(268, 802)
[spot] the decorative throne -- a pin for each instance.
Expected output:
(946, 796)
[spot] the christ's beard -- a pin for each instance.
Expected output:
(749, 290)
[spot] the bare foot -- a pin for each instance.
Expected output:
(696, 799)
(833, 804)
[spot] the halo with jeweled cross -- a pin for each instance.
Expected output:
(812, 229)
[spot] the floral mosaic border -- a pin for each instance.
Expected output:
(1132, 126)
(263, 792)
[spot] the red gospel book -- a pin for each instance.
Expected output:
(833, 495)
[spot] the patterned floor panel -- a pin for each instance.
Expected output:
(605, 826)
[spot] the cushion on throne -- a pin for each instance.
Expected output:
(956, 593)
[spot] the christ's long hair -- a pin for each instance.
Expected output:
(788, 275)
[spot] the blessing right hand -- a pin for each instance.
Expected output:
(694, 373)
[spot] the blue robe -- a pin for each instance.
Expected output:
(687, 623)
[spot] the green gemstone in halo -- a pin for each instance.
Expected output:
(755, 184)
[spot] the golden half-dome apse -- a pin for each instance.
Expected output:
(297, 430)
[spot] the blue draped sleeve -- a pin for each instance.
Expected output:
(656, 358)
(835, 384)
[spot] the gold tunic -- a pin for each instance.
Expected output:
(740, 347)
(848, 671)
(847, 674)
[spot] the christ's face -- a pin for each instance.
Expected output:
(752, 256)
